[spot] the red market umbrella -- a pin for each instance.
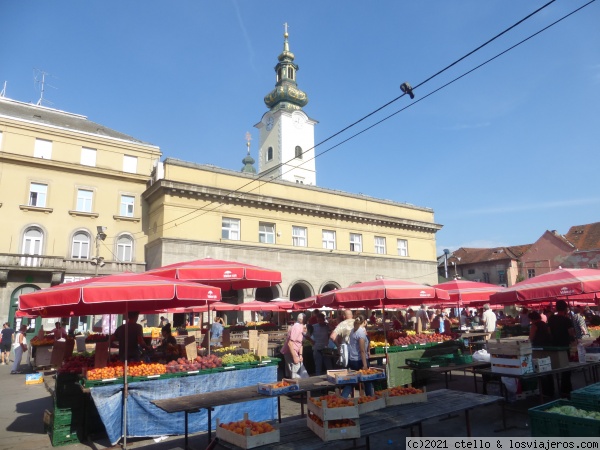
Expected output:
(307, 303)
(117, 294)
(463, 292)
(224, 274)
(257, 305)
(378, 294)
(560, 283)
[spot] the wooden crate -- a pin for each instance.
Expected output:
(405, 399)
(247, 440)
(325, 413)
(367, 407)
(518, 365)
(380, 375)
(342, 376)
(506, 347)
(332, 434)
(270, 389)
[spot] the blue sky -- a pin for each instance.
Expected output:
(502, 155)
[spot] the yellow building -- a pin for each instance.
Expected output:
(320, 239)
(70, 200)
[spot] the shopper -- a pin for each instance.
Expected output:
(489, 321)
(579, 324)
(7, 336)
(563, 335)
(358, 350)
(539, 335)
(216, 331)
(19, 347)
(320, 340)
(292, 348)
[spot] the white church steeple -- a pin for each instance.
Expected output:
(287, 134)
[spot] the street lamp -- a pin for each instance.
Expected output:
(98, 260)
(446, 253)
(455, 269)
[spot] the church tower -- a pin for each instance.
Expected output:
(287, 134)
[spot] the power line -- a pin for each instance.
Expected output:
(203, 209)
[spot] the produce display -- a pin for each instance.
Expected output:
(228, 350)
(366, 399)
(96, 337)
(76, 363)
(238, 359)
(135, 369)
(333, 401)
(569, 410)
(240, 427)
(113, 370)
(421, 338)
(338, 423)
(399, 390)
(37, 341)
(369, 371)
(199, 363)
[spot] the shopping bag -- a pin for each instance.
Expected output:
(343, 359)
(302, 372)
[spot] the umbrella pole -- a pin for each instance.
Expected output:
(125, 387)
(387, 360)
(208, 332)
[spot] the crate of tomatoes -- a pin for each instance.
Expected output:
(284, 386)
(247, 433)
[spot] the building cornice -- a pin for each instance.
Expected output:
(73, 168)
(209, 193)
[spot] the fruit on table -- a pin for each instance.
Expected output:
(199, 363)
(369, 371)
(366, 399)
(339, 423)
(36, 341)
(333, 401)
(399, 390)
(280, 384)
(113, 370)
(96, 337)
(237, 359)
(136, 369)
(240, 426)
(76, 363)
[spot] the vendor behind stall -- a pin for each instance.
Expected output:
(59, 332)
(168, 343)
(135, 338)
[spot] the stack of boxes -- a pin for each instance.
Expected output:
(511, 356)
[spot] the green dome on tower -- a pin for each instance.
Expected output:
(286, 94)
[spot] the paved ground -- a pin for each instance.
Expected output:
(23, 410)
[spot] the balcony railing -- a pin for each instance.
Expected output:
(12, 261)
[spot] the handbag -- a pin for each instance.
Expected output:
(343, 359)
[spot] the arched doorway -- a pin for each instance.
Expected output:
(14, 306)
(300, 291)
(266, 294)
(329, 286)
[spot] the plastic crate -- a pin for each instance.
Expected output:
(66, 435)
(426, 363)
(462, 359)
(548, 424)
(68, 401)
(589, 395)
(63, 417)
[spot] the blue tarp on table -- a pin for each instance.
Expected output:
(147, 420)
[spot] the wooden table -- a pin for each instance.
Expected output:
(590, 368)
(447, 369)
(296, 435)
(194, 403)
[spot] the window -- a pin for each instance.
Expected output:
(130, 164)
(88, 156)
(329, 239)
(125, 249)
(290, 73)
(380, 245)
(501, 277)
(402, 247)
(81, 246)
(486, 277)
(32, 245)
(530, 273)
(37, 194)
(127, 202)
(84, 200)
(230, 229)
(269, 153)
(43, 149)
(298, 151)
(298, 236)
(266, 233)
(471, 271)
(355, 242)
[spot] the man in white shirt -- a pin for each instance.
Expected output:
(489, 320)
